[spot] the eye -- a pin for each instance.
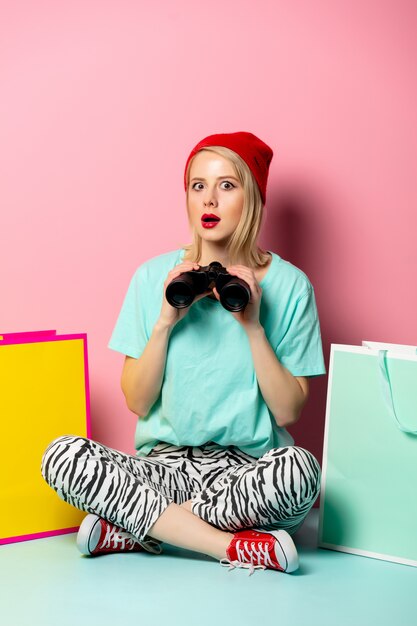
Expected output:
(226, 182)
(194, 186)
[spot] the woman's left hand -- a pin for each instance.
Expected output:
(249, 316)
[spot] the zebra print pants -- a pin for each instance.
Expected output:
(227, 488)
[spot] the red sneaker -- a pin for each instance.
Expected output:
(256, 549)
(97, 536)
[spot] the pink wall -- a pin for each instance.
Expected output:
(101, 103)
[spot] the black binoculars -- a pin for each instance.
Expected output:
(233, 291)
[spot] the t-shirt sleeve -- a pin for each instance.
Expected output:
(130, 334)
(300, 349)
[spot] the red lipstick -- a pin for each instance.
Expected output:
(209, 220)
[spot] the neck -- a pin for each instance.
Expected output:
(212, 253)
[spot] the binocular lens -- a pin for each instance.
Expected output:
(180, 296)
(234, 297)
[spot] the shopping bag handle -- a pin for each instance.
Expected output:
(387, 391)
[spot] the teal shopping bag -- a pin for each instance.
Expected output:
(368, 500)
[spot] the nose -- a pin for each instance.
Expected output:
(210, 198)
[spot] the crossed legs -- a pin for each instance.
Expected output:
(276, 491)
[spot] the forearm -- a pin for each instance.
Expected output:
(142, 381)
(280, 389)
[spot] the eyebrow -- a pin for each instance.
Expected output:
(218, 178)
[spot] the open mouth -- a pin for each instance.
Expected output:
(209, 218)
(209, 221)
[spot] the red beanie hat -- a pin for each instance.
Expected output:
(256, 154)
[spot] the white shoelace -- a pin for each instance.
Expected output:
(261, 555)
(233, 564)
(121, 540)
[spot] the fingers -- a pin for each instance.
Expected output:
(188, 266)
(246, 274)
(233, 269)
(185, 267)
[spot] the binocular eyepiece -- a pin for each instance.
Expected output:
(233, 291)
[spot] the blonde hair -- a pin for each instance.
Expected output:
(242, 245)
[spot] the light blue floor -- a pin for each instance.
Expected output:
(47, 582)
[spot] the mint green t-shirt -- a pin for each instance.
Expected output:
(209, 390)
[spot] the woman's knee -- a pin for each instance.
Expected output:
(58, 451)
(299, 468)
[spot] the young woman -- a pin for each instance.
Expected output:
(215, 469)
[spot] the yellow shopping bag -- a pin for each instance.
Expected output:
(44, 393)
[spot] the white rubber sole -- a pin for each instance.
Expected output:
(285, 550)
(89, 534)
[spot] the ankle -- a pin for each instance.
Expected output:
(223, 543)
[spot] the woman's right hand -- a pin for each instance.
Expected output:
(169, 315)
